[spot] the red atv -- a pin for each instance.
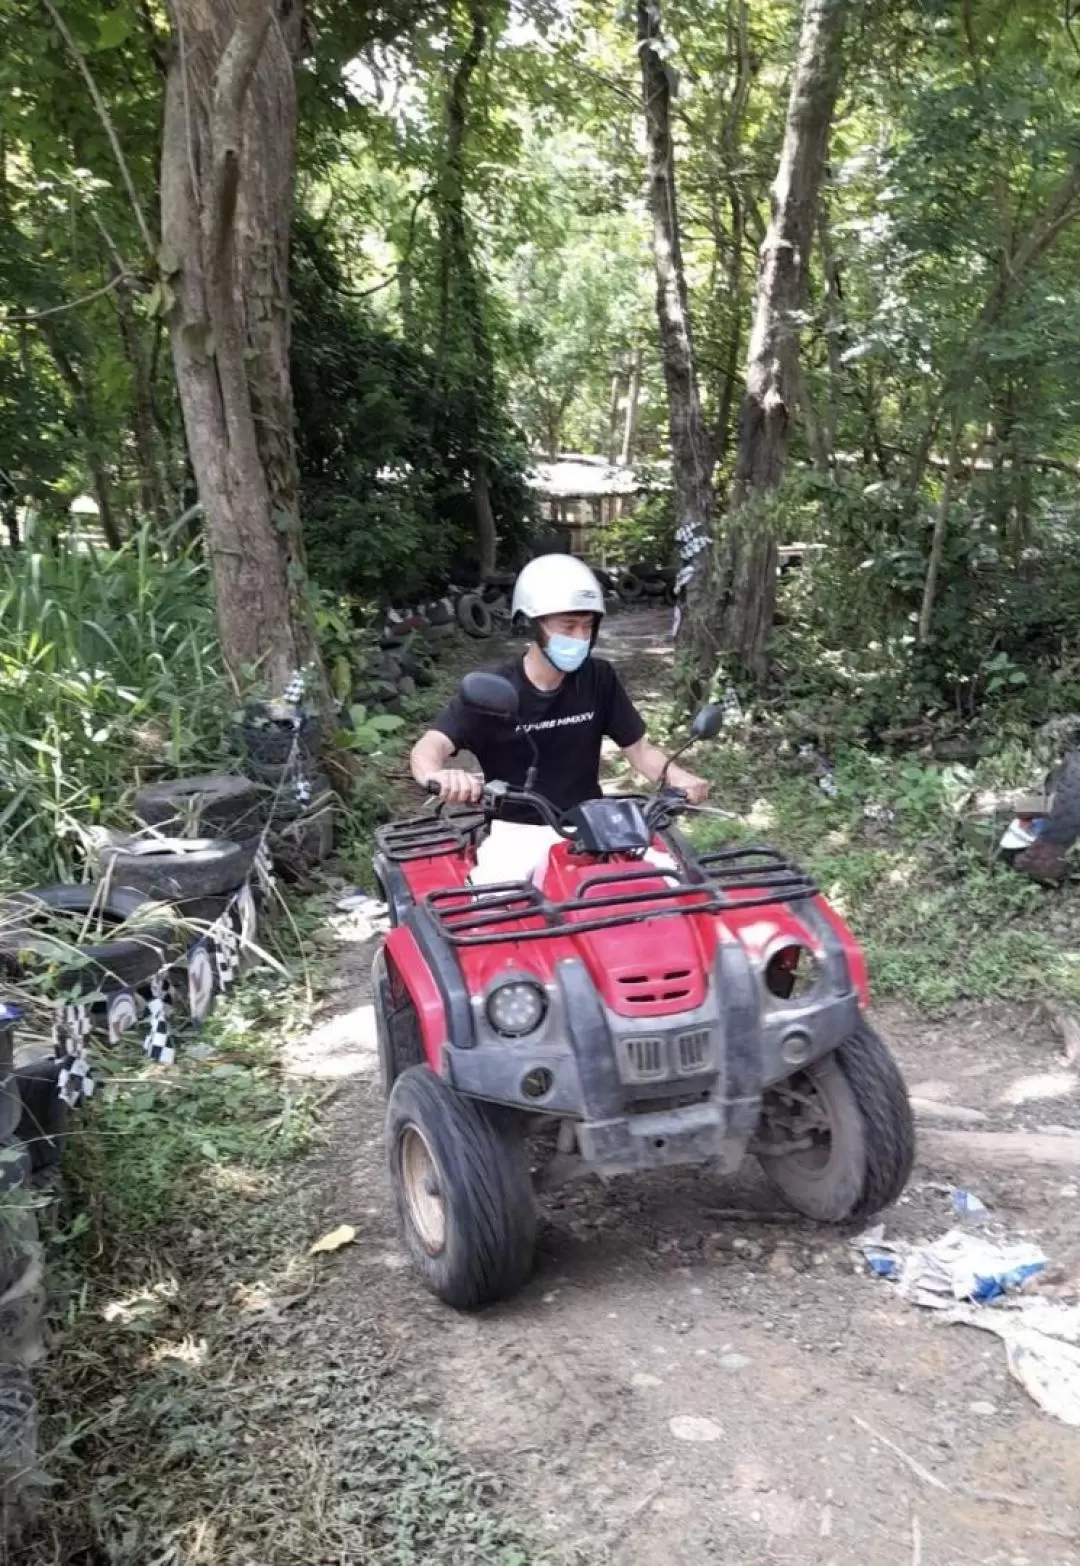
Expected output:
(646, 1004)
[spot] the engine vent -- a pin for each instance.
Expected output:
(646, 1057)
(646, 989)
(693, 1050)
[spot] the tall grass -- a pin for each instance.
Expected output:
(109, 670)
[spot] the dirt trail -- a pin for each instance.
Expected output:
(655, 1315)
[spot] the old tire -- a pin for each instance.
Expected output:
(629, 587)
(862, 1155)
(44, 1117)
(219, 803)
(265, 736)
(462, 1191)
(178, 869)
(474, 616)
(1063, 823)
(128, 960)
(20, 1477)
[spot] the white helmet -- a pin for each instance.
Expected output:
(557, 584)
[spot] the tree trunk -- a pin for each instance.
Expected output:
(937, 540)
(613, 418)
(747, 568)
(633, 398)
(226, 204)
(86, 419)
(691, 464)
(11, 522)
(461, 302)
(151, 488)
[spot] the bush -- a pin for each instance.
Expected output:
(108, 663)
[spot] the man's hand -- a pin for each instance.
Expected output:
(457, 787)
(696, 789)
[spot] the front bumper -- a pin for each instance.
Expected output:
(640, 1096)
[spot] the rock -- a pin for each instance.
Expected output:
(406, 686)
(734, 1361)
(692, 1427)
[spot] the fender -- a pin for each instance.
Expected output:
(413, 974)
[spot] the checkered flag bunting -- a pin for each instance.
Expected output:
(71, 1029)
(263, 866)
(157, 1045)
(161, 989)
(294, 691)
(226, 952)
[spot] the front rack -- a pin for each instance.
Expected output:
(429, 837)
(479, 916)
(736, 870)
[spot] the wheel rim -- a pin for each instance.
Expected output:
(801, 1105)
(423, 1191)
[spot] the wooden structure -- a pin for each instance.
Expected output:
(581, 496)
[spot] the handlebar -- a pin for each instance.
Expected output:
(658, 807)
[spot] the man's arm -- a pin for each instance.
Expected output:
(650, 761)
(427, 763)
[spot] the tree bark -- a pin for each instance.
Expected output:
(746, 572)
(228, 162)
(691, 462)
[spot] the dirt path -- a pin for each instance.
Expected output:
(655, 1315)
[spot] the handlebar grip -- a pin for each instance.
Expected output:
(431, 787)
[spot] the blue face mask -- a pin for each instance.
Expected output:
(567, 653)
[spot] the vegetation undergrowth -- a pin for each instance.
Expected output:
(941, 918)
(203, 1403)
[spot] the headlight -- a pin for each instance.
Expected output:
(516, 1009)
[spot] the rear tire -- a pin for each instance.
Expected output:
(462, 1191)
(862, 1155)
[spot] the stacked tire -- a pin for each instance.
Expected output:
(22, 1304)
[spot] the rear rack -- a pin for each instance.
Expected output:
(429, 837)
(479, 916)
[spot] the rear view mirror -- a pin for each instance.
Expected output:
(491, 693)
(708, 723)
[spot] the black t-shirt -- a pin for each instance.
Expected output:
(568, 725)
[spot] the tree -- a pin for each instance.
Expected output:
(691, 459)
(227, 171)
(744, 585)
(461, 302)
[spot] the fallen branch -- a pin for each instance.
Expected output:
(916, 1467)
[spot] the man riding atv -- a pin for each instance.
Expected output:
(569, 701)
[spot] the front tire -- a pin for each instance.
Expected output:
(462, 1191)
(851, 1109)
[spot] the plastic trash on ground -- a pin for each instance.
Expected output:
(958, 1266)
(977, 1281)
(968, 1205)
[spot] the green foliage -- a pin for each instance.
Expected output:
(941, 921)
(109, 666)
(385, 460)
